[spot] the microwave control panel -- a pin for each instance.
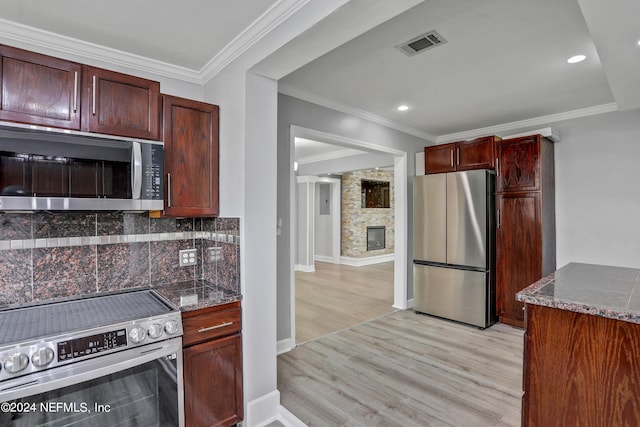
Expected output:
(152, 171)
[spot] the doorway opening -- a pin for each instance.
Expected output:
(395, 269)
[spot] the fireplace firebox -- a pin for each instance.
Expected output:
(376, 238)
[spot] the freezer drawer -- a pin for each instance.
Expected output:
(459, 295)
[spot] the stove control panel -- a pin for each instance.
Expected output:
(40, 354)
(92, 344)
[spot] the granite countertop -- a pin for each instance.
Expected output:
(600, 290)
(196, 294)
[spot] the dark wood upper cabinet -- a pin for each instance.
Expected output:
(477, 153)
(519, 165)
(191, 157)
(120, 104)
(39, 89)
(439, 158)
(525, 236)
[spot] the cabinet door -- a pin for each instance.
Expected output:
(518, 166)
(190, 157)
(475, 154)
(39, 89)
(439, 158)
(120, 104)
(213, 382)
(518, 251)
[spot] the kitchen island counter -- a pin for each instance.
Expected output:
(582, 343)
(600, 290)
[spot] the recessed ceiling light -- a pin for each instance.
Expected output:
(638, 42)
(403, 108)
(576, 59)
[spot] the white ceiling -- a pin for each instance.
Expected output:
(503, 66)
(504, 62)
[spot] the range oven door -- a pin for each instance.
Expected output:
(137, 387)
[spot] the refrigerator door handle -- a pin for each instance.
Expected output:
(499, 219)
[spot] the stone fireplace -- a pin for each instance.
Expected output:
(356, 241)
(375, 238)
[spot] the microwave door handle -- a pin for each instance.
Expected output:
(136, 176)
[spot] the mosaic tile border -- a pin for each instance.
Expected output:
(59, 242)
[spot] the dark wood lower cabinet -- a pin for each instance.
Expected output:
(212, 352)
(213, 382)
(519, 250)
(580, 370)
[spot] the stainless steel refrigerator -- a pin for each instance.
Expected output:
(454, 246)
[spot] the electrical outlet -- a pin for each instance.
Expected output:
(188, 257)
(214, 254)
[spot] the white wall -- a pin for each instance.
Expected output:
(597, 171)
(597, 164)
(305, 221)
(323, 224)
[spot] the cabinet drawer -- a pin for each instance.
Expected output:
(210, 323)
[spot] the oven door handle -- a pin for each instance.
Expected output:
(75, 373)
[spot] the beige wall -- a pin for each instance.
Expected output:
(356, 219)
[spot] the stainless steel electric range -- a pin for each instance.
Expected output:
(110, 359)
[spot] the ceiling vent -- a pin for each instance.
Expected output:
(421, 43)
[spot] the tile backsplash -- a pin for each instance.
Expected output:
(53, 255)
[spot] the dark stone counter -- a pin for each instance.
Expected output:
(196, 294)
(599, 290)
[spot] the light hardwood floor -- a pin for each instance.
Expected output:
(405, 369)
(338, 296)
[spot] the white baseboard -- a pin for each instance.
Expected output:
(376, 259)
(324, 258)
(266, 409)
(285, 345)
(409, 303)
(288, 419)
(263, 410)
(305, 268)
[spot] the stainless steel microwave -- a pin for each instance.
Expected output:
(55, 169)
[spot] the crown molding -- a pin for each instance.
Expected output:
(537, 121)
(263, 25)
(343, 108)
(16, 32)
